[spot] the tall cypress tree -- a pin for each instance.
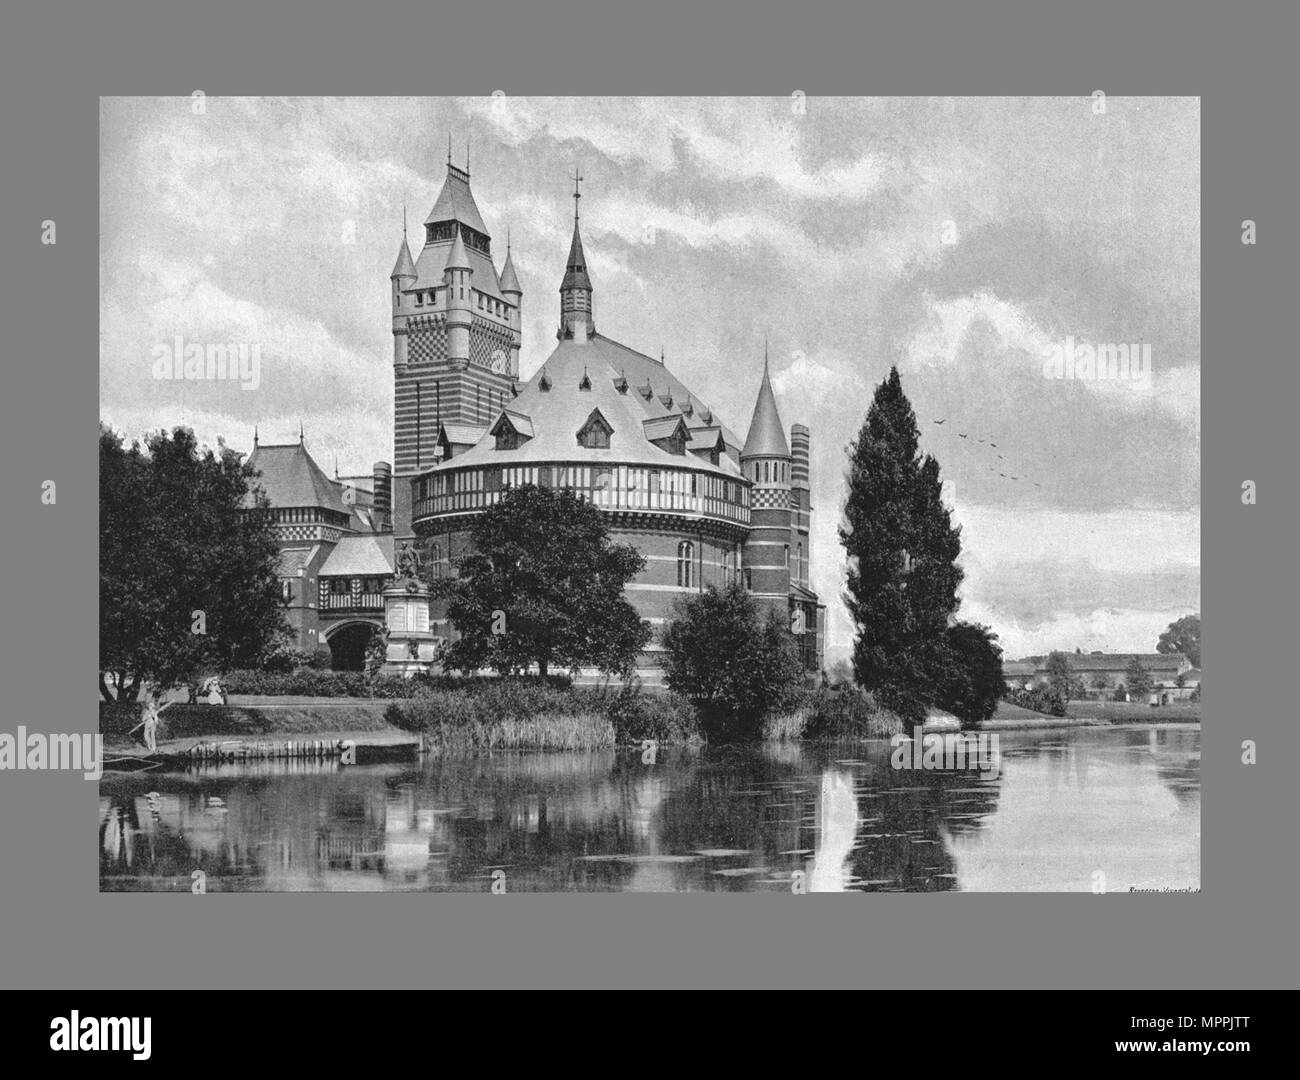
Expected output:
(902, 551)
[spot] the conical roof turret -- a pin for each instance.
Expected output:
(766, 435)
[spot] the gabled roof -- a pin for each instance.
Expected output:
(456, 202)
(462, 434)
(291, 478)
(663, 427)
(705, 438)
(520, 422)
(370, 555)
(766, 435)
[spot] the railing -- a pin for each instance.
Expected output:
(610, 487)
(369, 601)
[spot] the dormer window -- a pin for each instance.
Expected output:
(586, 381)
(511, 430)
(595, 432)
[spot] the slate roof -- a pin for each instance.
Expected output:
(509, 280)
(405, 266)
(291, 560)
(642, 370)
(575, 270)
(433, 259)
(368, 555)
(463, 434)
(455, 202)
(555, 416)
(291, 478)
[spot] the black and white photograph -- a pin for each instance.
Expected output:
(787, 494)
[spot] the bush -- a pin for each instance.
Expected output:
(1041, 699)
(668, 719)
(733, 663)
(832, 714)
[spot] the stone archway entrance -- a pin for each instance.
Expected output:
(348, 646)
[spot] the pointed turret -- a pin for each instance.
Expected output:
(511, 290)
(765, 462)
(509, 281)
(766, 436)
(405, 266)
(456, 257)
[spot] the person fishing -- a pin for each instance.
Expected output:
(152, 710)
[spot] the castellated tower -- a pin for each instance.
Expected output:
(766, 460)
(456, 336)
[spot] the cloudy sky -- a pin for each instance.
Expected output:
(960, 239)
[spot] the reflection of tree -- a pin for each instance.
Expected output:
(723, 819)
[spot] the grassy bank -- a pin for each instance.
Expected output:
(1135, 712)
(244, 721)
(500, 714)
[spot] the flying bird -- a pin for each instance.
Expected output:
(961, 435)
(1002, 474)
(943, 421)
(994, 445)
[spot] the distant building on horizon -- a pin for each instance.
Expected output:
(1104, 673)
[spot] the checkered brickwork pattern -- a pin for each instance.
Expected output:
(770, 499)
(485, 340)
(426, 343)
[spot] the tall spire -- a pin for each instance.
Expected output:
(766, 435)
(575, 290)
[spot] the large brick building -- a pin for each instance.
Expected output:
(703, 505)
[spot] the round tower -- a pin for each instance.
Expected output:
(402, 278)
(515, 295)
(456, 276)
(766, 461)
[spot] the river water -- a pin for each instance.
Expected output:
(1059, 807)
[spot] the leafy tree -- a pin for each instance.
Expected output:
(1101, 681)
(1137, 679)
(542, 585)
(1183, 636)
(841, 674)
(902, 553)
(971, 682)
(732, 663)
(187, 563)
(1061, 676)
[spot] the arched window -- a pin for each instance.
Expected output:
(799, 565)
(786, 552)
(685, 563)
